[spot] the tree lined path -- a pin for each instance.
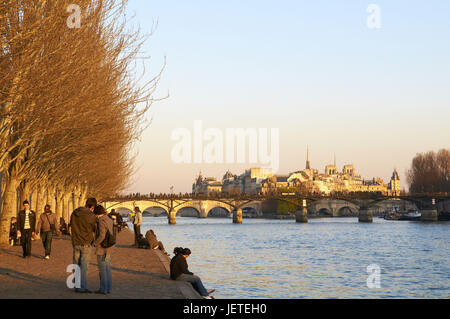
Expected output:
(137, 273)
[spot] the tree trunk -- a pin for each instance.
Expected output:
(34, 205)
(71, 207)
(76, 197)
(9, 208)
(59, 204)
(41, 200)
(34, 201)
(66, 206)
(38, 204)
(51, 199)
(83, 196)
(24, 192)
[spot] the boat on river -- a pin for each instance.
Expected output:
(402, 215)
(411, 215)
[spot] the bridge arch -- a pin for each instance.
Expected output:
(218, 211)
(443, 206)
(255, 206)
(335, 207)
(324, 212)
(204, 207)
(124, 211)
(211, 204)
(143, 204)
(347, 211)
(164, 212)
(183, 212)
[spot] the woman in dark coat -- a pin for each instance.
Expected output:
(179, 271)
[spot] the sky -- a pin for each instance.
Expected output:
(313, 70)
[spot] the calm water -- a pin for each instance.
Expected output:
(326, 258)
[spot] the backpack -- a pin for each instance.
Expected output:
(110, 239)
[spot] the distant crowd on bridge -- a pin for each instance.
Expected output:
(274, 194)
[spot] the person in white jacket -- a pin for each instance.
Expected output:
(137, 221)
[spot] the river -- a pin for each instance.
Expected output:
(326, 258)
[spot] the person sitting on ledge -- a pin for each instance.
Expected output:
(179, 271)
(153, 241)
(142, 242)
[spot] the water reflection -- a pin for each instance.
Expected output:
(326, 258)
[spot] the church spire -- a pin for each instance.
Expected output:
(308, 164)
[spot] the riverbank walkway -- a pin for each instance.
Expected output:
(137, 273)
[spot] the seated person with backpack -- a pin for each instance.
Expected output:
(142, 242)
(63, 227)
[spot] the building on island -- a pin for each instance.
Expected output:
(262, 181)
(206, 186)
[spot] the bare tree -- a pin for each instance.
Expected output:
(430, 172)
(60, 91)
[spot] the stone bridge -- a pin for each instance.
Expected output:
(364, 209)
(335, 208)
(203, 207)
(343, 208)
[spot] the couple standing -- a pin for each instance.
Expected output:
(89, 227)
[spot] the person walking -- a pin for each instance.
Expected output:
(179, 271)
(82, 227)
(47, 226)
(137, 221)
(26, 224)
(102, 251)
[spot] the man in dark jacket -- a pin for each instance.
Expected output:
(26, 225)
(83, 225)
(47, 224)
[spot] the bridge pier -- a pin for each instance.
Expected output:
(301, 216)
(172, 217)
(237, 216)
(334, 210)
(429, 215)
(365, 215)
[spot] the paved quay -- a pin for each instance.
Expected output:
(137, 273)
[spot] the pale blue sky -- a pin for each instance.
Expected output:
(310, 68)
